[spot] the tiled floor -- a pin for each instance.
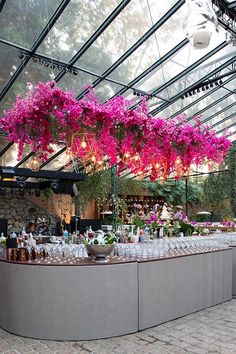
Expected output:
(209, 331)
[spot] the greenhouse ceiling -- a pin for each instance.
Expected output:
(130, 48)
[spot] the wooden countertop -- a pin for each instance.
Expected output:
(110, 260)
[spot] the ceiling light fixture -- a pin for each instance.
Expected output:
(20, 182)
(200, 22)
(217, 81)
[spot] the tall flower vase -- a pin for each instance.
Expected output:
(161, 232)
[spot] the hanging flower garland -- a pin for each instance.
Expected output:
(109, 133)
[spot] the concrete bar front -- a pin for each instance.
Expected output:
(92, 301)
(69, 302)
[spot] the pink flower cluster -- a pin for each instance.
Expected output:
(228, 223)
(110, 133)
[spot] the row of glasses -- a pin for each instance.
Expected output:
(71, 253)
(54, 253)
(167, 247)
(130, 251)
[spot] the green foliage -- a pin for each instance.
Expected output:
(130, 186)
(175, 194)
(96, 186)
(187, 229)
(110, 239)
(138, 221)
(3, 243)
(216, 192)
(231, 164)
(47, 192)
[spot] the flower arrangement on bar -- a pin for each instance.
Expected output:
(100, 246)
(164, 216)
(109, 133)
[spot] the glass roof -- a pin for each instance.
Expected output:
(118, 46)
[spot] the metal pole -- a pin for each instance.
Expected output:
(186, 196)
(114, 194)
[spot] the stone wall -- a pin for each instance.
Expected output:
(19, 211)
(57, 204)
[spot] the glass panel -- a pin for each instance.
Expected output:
(3, 142)
(226, 124)
(150, 51)
(77, 23)
(9, 98)
(232, 137)
(55, 147)
(221, 116)
(33, 73)
(212, 63)
(10, 157)
(204, 103)
(160, 77)
(218, 108)
(9, 62)
(168, 112)
(22, 21)
(124, 31)
(58, 162)
(193, 110)
(75, 83)
(106, 90)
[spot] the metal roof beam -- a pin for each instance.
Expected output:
(2, 3)
(217, 113)
(232, 133)
(53, 157)
(158, 63)
(32, 153)
(208, 107)
(224, 8)
(222, 121)
(177, 96)
(203, 97)
(63, 63)
(5, 148)
(184, 72)
(232, 5)
(229, 126)
(136, 45)
(47, 174)
(35, 46)
(95, 35)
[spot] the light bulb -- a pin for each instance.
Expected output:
(69, 152)
(83, 144)
(34, 164)
(210, 163)
(93, 158)
(178, 161)
(157, 165)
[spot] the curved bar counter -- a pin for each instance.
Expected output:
(92, 301)
(234, 270)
